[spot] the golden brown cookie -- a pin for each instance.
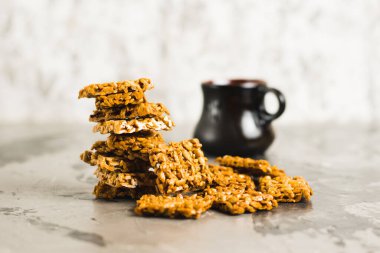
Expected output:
(173, 206)
(102, 89)
(285, 188)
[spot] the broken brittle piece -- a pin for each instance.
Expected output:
(128, 180)
(249, 166)
(120, 99)
(285, 188)
(180, 167)
(141, 110)
(105, 191)
(133, 125)
(225, 176)
(236, 200)
(115, 163)
(173, 206)
(102, 89)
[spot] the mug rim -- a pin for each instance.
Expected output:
(235, 82)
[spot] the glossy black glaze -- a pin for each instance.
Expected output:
(234, 120)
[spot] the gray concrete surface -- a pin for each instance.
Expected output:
(46, 202)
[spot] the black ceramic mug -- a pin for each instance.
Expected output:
(234, 120)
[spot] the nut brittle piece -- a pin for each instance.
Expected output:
(128, 180)
(105, 191)
(133, 125)
(173, 206)
(256, 167)
(234, 199)
(141, 110)
(101, 147)
(129, 86)
(285, 188)
(180, 167)
(120, 99)
(225, 176)
(115, 163)
(138, 145)
(249, 166)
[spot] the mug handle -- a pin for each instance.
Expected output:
(264, 115)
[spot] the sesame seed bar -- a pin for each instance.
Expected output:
(133, 125)
(259, 167)
(129, 112)
(114, 163)
(129, 86)
(285, 188)
(128, 180)
(136, 146)
(225, 176)
(120, 99)
(101, 147)
(105, 191)
(180, 167)
(249, 166)
(173, 206)
(235, 193)
(236, 200)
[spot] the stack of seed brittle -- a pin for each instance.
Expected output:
(173, 179)
(134, 159)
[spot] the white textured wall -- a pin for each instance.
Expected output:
(324, 55)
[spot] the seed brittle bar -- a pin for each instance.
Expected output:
(101, 147)
(120, 99)
(136, 146)
(225, 176)
(180, 167)
(129, 112)
(115, 163)
(133, 125)
(105, 191)
(128, 180)
(285, 188)
(235, 193)
(235, 200)
(258, 167)
(101, 89)
(173, 206)
(249, 166)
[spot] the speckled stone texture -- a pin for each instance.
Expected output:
(323, 55)
(46, 202)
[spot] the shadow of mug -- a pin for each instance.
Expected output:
(234, 119)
